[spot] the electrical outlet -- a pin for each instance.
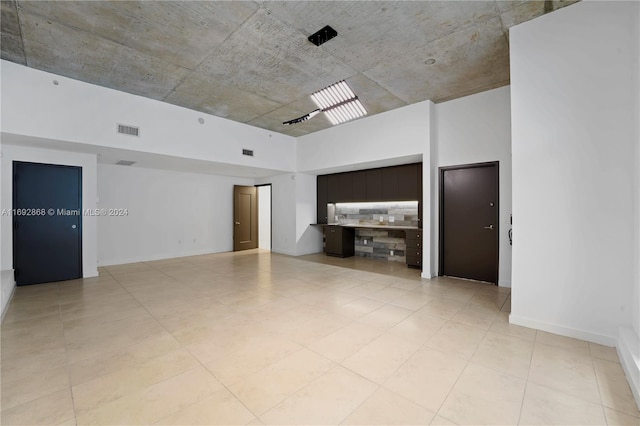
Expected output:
(365, 242)
(381, 219)
(392, 219)
(391, 252)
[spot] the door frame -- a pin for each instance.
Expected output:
(14, 195)
(441, 171)
(270, 214)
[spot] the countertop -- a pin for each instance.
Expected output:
(349, 225)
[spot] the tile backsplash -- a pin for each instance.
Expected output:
(385, 244)
(401, 213)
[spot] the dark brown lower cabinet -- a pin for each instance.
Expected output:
(413, 241)
(339, 241)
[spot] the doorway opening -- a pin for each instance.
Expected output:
(264, 216)
(469, 211)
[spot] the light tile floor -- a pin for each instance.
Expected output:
(260, 338)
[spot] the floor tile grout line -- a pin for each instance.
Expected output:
(536, 340)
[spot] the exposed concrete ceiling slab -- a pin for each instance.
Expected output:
(270, 58)
(51, 46)
(372, 32)
(251, 62)
(180, 33)
(205, 94)
(462, 60)
(12, 48)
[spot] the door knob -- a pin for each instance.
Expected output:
(73, 227)
(488, 227)
(237, 223)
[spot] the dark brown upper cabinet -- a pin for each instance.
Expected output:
(397, 183)
(359, 186)
(374, 184)
(408, 182)
(340, 189)
(390, 184)
(321, 208)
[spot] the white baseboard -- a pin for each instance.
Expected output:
(310, 251)
(151, 258)
(90, 274)
(8, 288)
(287, 252)
(504, 283)
(601, 339)
(426, 275)
(628, 347)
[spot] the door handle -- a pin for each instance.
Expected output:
(237, 223)
(488, 227)
(73, 227)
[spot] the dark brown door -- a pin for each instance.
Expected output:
(245, 216)
(469, 222)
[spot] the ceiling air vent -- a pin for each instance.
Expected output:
(123, 129)
(248, 152)
(125, 163)
(323, 35)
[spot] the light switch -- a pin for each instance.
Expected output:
(392, 219)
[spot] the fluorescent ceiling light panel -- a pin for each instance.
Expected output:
(337, 101)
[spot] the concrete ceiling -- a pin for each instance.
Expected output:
(251, 62)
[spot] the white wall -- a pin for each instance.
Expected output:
(83, 113)
(283, 208)
(170, 214)
(397, 133)
(264, 217)
(308, 238)
(12, 153)
(629, 337)
(574, 141)
(475, 129)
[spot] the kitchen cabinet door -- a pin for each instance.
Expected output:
(374, 184)
(339, 241)
(408, 182)
(340, 189)
(359, 186)
(390, 184)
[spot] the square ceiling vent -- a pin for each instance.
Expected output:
(323, 36)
